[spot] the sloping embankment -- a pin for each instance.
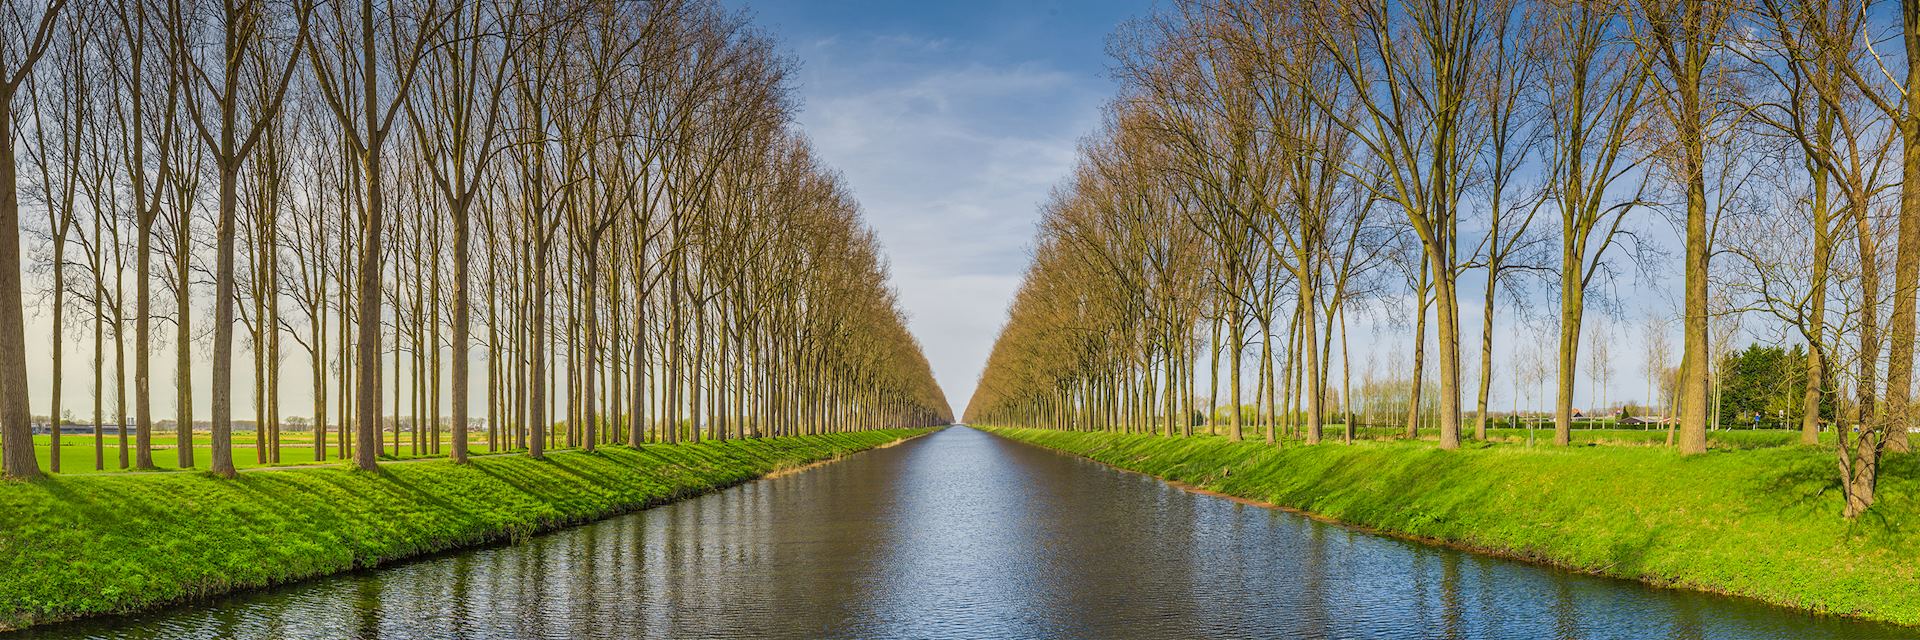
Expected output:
(1762, 523)
(85, 545)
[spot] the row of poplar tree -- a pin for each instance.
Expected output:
(1270, 166)
(606, 200)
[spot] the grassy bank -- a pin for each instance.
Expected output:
(83, 545)
(1763, 523)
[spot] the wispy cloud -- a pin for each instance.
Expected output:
(951, 158)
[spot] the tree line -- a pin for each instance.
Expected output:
(1271, 167)
(608, 200)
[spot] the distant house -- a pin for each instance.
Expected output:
(1645, 420)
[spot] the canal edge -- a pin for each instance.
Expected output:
(1487, 551)
(505, 535)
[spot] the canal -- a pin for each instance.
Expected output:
(961, 534)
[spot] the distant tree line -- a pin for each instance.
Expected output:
(606, 201)
(1270, 168)
(1768, 381)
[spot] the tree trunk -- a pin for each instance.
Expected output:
(222, 425)
(99, 357)
(1486, 347)
(1906, 265)
(1213, 377)
(537, 371)
(589, 275)
(120, 361)
(1236, 338)
(16, 417)
(1419, 353)
(183, 341)
(1572, 299)
(1816, 329)
(1346, 377)
(59, 290)
(1449, 339)
(462, 335)
(1309, 345)
(1693, 419)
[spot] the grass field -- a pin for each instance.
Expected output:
(1656, 437)
(89, 544)
(1762, 522)
(296, 448)
(1542, 435)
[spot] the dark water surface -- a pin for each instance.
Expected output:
(964, 535)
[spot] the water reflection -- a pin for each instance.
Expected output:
(961, 534)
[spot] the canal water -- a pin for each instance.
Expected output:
(961, 534)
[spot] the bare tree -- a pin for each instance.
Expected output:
(365, 116)
(457, 127)
(62, 109)
(219, 86)
(1594, 88)
(1686, 41)
(27, 31)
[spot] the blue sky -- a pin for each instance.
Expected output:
(951, 121)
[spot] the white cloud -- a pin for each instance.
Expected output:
(950, 161)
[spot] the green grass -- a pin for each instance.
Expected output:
(1657, 437)
(105, 543)
(296, 448)
(1757, 522)
(1610, 436)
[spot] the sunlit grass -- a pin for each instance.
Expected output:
(296, 448)
(1762, 522)
(1653, 436)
